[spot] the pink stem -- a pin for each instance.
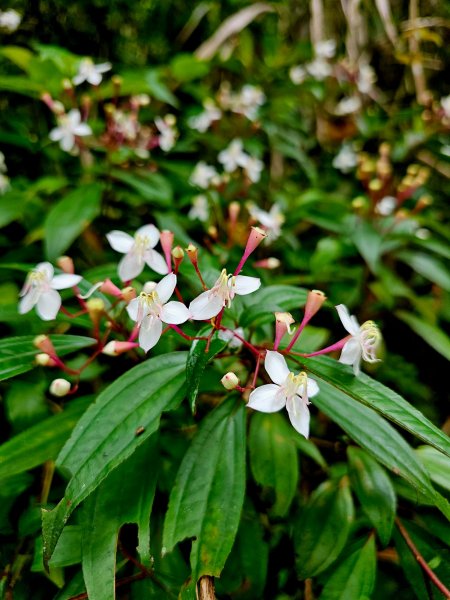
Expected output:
(337, 346)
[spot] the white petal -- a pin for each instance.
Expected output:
(56, 134)
(48, 305)
(299, 415)
(120, 241)
(350, 323)
(276, 367)
(246, 285)
(156, 262)
(149, 333)
(103, 67)
(67, 141)
(267, 398)
(65, 280)
(130, 267)
(174, 313)
(166, 286)
(313, 388)
(74, 117)
(46, 268)
(206, 306)
(82, 129)
(78, 79)
(351, 352)
(150, 232)
(133, 308)
(29, 300)
(94, 78)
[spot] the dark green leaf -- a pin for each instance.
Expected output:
(437, 465)
(431, 334)
(260, 306)
(368, 242)
(427, 266)
(150, 186)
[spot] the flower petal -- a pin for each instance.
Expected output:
(312, 387)
(246, 285)
(133, 309)
(82, 129)
(150, 232)
(206, 306)
(351, 352)
(48, 305)
(299, 415)
(166, 286)
(67, 141)
(267, 398)
(130, 267)
(348, 321)
(174, 313)
(94, 78)
(29, 300)
(120, 241)
(149, 333)
(56, 134)
(46, 268)
(64, 281)
(276, 367)
(156, 262)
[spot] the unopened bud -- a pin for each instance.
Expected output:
(108, 287)
(314, 302)
(230, 381)
(192, 253)
(212, 232)
(257, 235)
(178, 253)
(67, 84)
(128, 293)
(115, 348)
(423, 202)
(44, 360)
(59, 387)
(283, 322)
(268, 263)
(116, 80)
(65, 263)
(95, 308)
(375, 185)
(233, 211)
(44, 344)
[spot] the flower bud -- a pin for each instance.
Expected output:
(212, 232)
(108, 287)
(268, 263)
(95, 308)
(192, 253)
(44, 360)
(65, 263)
(257, 235)
(128, 293)
(115, 348)
(233, 211)
(230, 381)
(314, 302)
(283, 322)
(44, 344)
(166, 240)
(59, 387)
(178, 253)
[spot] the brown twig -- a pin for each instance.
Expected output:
(205, 588)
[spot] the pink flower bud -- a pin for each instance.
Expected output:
(115, 348)
(44, 360)
(267, 263)
(314, 302)
(257, 235)
(192, 253)
(283, 322)
(65, 263)
(108, 287)
(44, 344)
(166, 239)
(59, 387)
(230, 381)
(128, 294)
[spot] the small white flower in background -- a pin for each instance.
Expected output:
(210, 303)
(445, 103)
(271, 221)
(386, 206)
(233, 156)
(422, 233)
(348, 105)
(228, 336)
(319, 69)
(151, 309)
(40, 290)
(253, 168)
(202, 121)
(167, 132)
(325, 49)
(200, 208)
(91, 73)
(126, 125)
(69, 127)
(248, 101)
(365, 79)
(3, 167)
(287, 390)
(4, 180)
(363, 342)
(10, 20)
(203, 175)
(138, 251)
(346, 159)
(297, 74)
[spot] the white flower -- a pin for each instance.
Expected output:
(69, 126)
(347, 106)
(40, 290)
(151, 310)
(445, 103)
(325, 49)
(10, 20)
(202, 121)
(271, 221)
(200, 208)
(365, 79)
(233, 156)
(319, 69)
(91, 73)
(386, 206)
(297, 74)
(227, 335)
(138, 251)
(287, 390)
(125, 124)
(248, 101)
(210, 303)
(363, 343)
(168, 132)
(202, 175)
(253, 168)
(346, 159)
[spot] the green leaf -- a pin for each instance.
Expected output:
(354, 578)
(107, 433)
(206, 500)
(125, 496)
(366, 390)
(427, 266)
(42, 442)
(197, 360)
(186, 67)
(17, 354)
(431, 334)
(323, 528)
(70, 217)
(273, 458)
(17, 55)
(260, 306)
(21, 85)
(11, 207)
(150, 186)
(368, 241)
(437, 465)
(374, 491)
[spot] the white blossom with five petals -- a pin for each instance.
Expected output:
(363, 342)
(91, 73)
(287, 390)
(138, 251)
(40, 290)
(151, 309)
(69, 127)
(210, 303)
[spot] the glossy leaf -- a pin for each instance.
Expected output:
(428, 266)
(260, 306)
(107, 433)
(437, 465)
(273, 458)
(208, 494)
(431, 334)
(374, 490)
(150, 186)
(323, 528)
(17, 354)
